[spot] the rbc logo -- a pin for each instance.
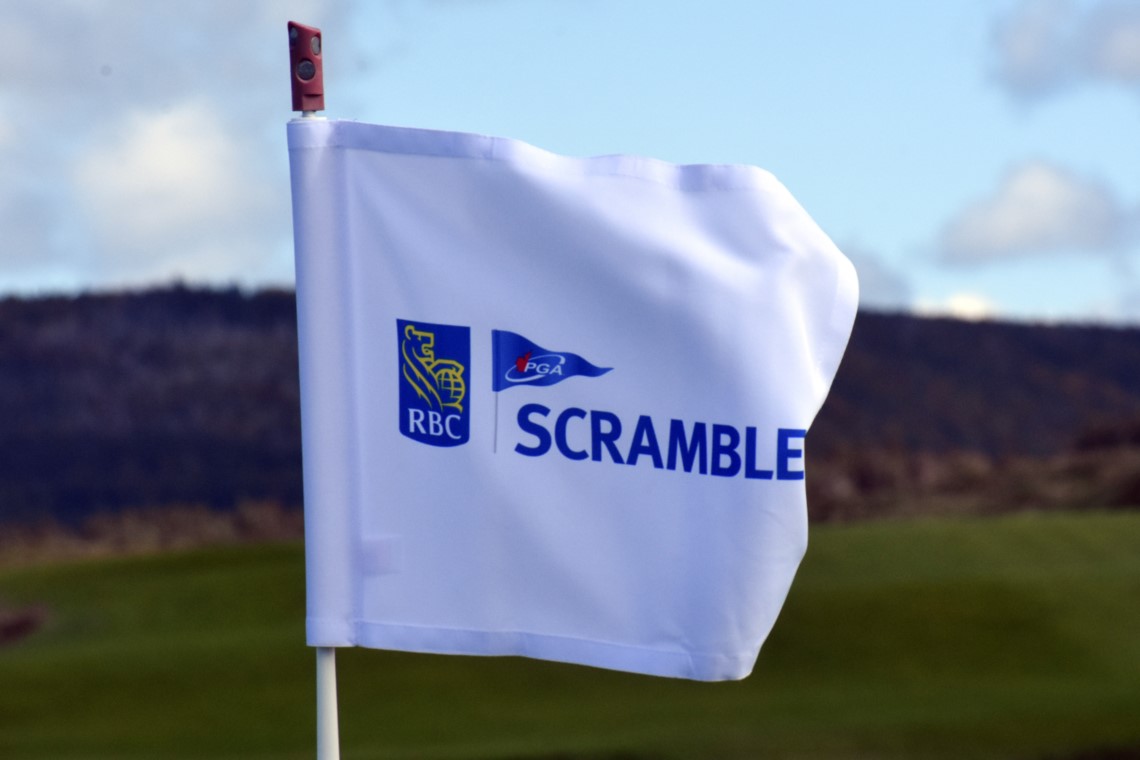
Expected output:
(433, 382)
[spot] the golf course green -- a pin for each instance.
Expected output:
(1011, 637)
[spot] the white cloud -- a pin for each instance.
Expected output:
(1046, 45)
(968, 306)
(1032, 47)
(1111, 42)
(145, 140)
(173, 194)
(1038, 208)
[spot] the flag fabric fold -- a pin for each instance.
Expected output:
(637, 500)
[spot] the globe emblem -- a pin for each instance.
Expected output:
(449, 382)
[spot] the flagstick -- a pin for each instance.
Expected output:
(328, 733)
(306, 74)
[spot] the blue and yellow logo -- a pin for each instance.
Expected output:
(434, 361)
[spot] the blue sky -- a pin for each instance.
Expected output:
(973, 158)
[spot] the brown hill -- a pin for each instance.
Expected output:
(998, 388)
(189, 396)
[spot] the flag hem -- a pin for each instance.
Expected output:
(353, 135)
(634, 659)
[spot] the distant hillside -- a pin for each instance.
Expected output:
(998, 388)
(190, 396)
(159, 397)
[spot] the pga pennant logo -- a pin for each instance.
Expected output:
(518, 361)
(434, 366)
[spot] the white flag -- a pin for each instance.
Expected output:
(554, 407)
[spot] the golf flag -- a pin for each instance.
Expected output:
(636, 501)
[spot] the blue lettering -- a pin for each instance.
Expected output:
(724, 451)
(560, 433)
(785, 453)
(690, 451)
(725, 439)
(644, 442)
(447, 426)
(533, 428)
(750, 470)
(607, 438)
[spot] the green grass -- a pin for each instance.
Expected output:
(1007, 638)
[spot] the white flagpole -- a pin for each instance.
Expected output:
(328, 732)
(308, 89)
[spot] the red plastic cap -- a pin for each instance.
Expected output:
(307, 72)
